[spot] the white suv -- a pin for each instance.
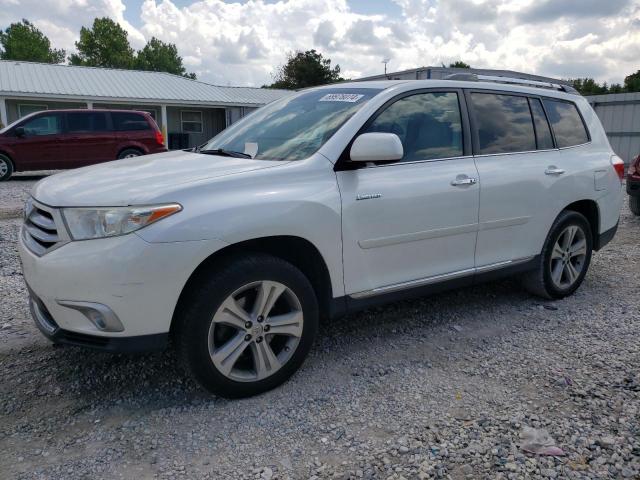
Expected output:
(330, 200)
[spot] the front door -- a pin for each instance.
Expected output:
(413, 221)
(39, 146)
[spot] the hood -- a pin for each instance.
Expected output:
(137, 180)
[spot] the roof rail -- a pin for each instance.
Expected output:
(473, 77)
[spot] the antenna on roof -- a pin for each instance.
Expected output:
(385, 61)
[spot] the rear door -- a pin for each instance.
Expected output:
(518, 163)
(88, 139)
(39, 147)
(412, 222)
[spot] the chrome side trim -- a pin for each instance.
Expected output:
(412, 162)
(413, 283)
(437, 278)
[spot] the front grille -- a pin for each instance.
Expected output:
(43, 229)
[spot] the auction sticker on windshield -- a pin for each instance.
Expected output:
(341, 97)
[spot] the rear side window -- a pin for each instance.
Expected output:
(82, 122)
(543, 132)
(429, 125)
(125, 121)
(566, 122)
(504, 123)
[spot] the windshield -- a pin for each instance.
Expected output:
(294, 127)
(11, 125)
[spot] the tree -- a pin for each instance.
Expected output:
(104, 45)
(459, 64)
(616, 88)
(632, 82)
(305, 69)
(588, 86)
(23, 41)
(158, 56)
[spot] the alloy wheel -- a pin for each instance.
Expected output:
(568, 257)
(255, 331)
(4, 167)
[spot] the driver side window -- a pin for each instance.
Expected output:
(43, 125)
(429, 125)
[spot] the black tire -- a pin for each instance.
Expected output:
(634, 205)
(209, 291)
(539, 281)
(6, 167)
(129, 153)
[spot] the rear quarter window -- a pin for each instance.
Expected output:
(566, 122)
(127, 122)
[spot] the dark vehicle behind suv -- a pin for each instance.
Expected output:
(633, 185)
(59, 139)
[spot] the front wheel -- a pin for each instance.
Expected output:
(6, 168)
(565, 258)
(247, 327)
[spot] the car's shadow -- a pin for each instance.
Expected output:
(94, 379)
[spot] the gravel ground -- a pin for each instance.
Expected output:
(14, 192)
(442, 387)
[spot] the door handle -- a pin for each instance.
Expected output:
(461, 181)
(551, 170)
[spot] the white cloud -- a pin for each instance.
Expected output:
(242, 43)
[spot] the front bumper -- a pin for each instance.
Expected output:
(140, 282)
(50, 329)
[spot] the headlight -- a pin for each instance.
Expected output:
(86, 223)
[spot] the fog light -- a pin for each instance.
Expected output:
(97, 318)
(100, 315)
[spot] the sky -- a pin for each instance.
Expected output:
(243, 42)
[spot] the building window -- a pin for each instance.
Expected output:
(26, 109)
(191, 121)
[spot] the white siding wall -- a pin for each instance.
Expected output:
(620, 117)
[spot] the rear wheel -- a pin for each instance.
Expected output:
(565, 258)
(634, 205)
(247, 327)
(129, 153)
(6, 167)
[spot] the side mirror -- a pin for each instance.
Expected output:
(376, 147)
(19, 131)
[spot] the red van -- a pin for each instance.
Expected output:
(57, 139)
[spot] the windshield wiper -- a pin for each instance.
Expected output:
(224, 153)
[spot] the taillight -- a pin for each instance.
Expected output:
(618, 166)
(634, 166)
(159, 137)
